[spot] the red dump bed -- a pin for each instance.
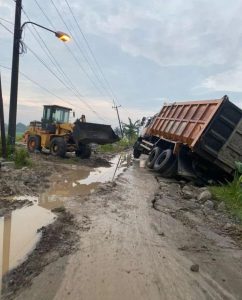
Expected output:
(184, 121)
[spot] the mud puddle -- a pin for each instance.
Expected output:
(80, 181)
(19, 229)
(19, 234)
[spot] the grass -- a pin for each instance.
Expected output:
(21, 158)
(231, 195)
(19, 137)
(119, 146)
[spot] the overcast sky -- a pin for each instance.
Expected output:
(149, 51)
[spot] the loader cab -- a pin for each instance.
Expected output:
(54, 114)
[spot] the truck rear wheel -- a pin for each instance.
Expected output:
(33, 143)
(152, 157)
(84, 151)
(58, 147)
(136, 153)
(166, 163)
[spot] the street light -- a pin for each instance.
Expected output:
(15, 67)
(64, 37)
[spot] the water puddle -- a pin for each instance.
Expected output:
(19, 229)
(82, 181)
(18, 234)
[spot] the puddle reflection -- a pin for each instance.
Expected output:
(18, 234)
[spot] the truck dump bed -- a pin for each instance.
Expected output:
(211, 128)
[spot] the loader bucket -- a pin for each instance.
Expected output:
(86, 133)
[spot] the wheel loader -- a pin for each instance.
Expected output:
(58, 135)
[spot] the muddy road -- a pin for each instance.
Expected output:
(137, 237)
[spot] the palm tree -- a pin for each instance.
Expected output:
(131, 130)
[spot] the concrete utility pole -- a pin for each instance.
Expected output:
(14, 76)
(2, 125)
(120, 126)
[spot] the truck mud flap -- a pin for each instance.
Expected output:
(87, 133)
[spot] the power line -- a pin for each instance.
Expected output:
(86, 57)
(6, 27)
(71, 53)
(90, 50)
(60, 70)
(43, 12)
(39, 85)
(7, 21)
(59, 79)
(53, 60)
(110, 92)
(51, 23)
(82, 53)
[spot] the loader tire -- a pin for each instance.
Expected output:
(34, 143)
(166, 163)
(58, 147)
(84, 151)
(152, 157)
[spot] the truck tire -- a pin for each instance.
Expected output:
(171, 171)
(152, 157)
(84, 151)
(166, 163)
(34, 143)
(136, 153)
(58, 147)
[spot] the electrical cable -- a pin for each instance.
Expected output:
(71, 53)
(57, 77)
(39, 85)
(91, 52)
(6, 21)
(82, 53)
(6, 27)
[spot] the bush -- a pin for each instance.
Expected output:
(121, 145)
(231, 194)
(21, 158)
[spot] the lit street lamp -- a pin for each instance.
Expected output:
(18, 29)
(64, 37)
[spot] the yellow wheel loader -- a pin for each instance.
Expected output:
(56, 134)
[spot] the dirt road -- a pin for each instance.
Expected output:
(139, 241)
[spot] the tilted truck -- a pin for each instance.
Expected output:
(193, 139)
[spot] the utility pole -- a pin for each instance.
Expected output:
(2, 125)
(14, 76)
(120, 126)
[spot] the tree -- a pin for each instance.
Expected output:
(131, 129)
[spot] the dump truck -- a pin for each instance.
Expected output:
(195, 139)
(55, 133)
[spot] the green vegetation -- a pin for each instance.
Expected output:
(121, 145)
(21, 158)
(231, 194)
(19, 137)
(131, 130)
